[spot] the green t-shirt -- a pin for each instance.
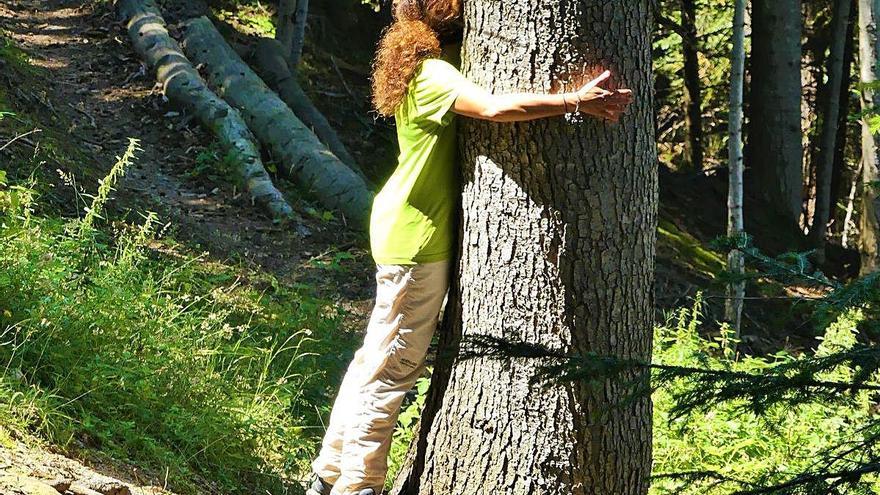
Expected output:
(412, 219)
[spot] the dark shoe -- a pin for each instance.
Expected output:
(319, 487)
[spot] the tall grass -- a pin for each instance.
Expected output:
(189, 368)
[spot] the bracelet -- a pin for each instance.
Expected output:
(564, 102)
(577, 107)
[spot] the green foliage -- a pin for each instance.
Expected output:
(323, 215)
(406, 424)
(106, 185)
(167, 361)
(745, 442)
(254, 18)
(215, 164)
(333, 261)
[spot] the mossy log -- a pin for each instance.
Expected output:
(297, 150)
(268, 60)
(183, 85)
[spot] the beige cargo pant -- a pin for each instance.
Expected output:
(354, 453)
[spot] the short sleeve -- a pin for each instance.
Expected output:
(434, 90)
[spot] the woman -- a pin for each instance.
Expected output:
(411, 233)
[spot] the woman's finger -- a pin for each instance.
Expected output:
(595, 82)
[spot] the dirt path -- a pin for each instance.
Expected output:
(100, 91)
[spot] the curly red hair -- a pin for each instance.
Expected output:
(415, 35)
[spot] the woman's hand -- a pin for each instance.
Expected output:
(603, 103)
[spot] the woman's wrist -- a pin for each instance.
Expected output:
(571, 101)
(576, 98)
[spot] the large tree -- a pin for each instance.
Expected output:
(869, 47)
(557, 250)
(775, 147)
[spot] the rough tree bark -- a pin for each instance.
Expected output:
(183, 85)
(775, 152)
(869, 47)
(557, 250)
(298, 152)
(291, 30)
(693, 92)
(830, 119)
(268, 60)
(735, 224)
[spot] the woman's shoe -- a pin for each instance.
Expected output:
(319, 487)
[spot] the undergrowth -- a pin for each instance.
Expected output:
(728, 448)
(189, 368)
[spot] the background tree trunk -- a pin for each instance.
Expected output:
(775, 152)
(830, 119)
(291, 28)
(557, 250)
(842, 172)
(735, 224)
(869, 46)
(693, 92)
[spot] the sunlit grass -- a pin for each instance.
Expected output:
(199, 370)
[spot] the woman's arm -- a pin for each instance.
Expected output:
(475, 102)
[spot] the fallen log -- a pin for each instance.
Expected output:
(269, 62)
(300, 154)
(183, 85)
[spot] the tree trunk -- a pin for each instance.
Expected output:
(735, 224)
(839, 174)
(291, 28)
(183, 85)
(828, 137)
(693, 92)
(869, 47)
(268, 60)
(817, 35)
(775, 150)
(299, 153)
(557, 250)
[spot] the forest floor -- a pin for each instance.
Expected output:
(92, 94)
